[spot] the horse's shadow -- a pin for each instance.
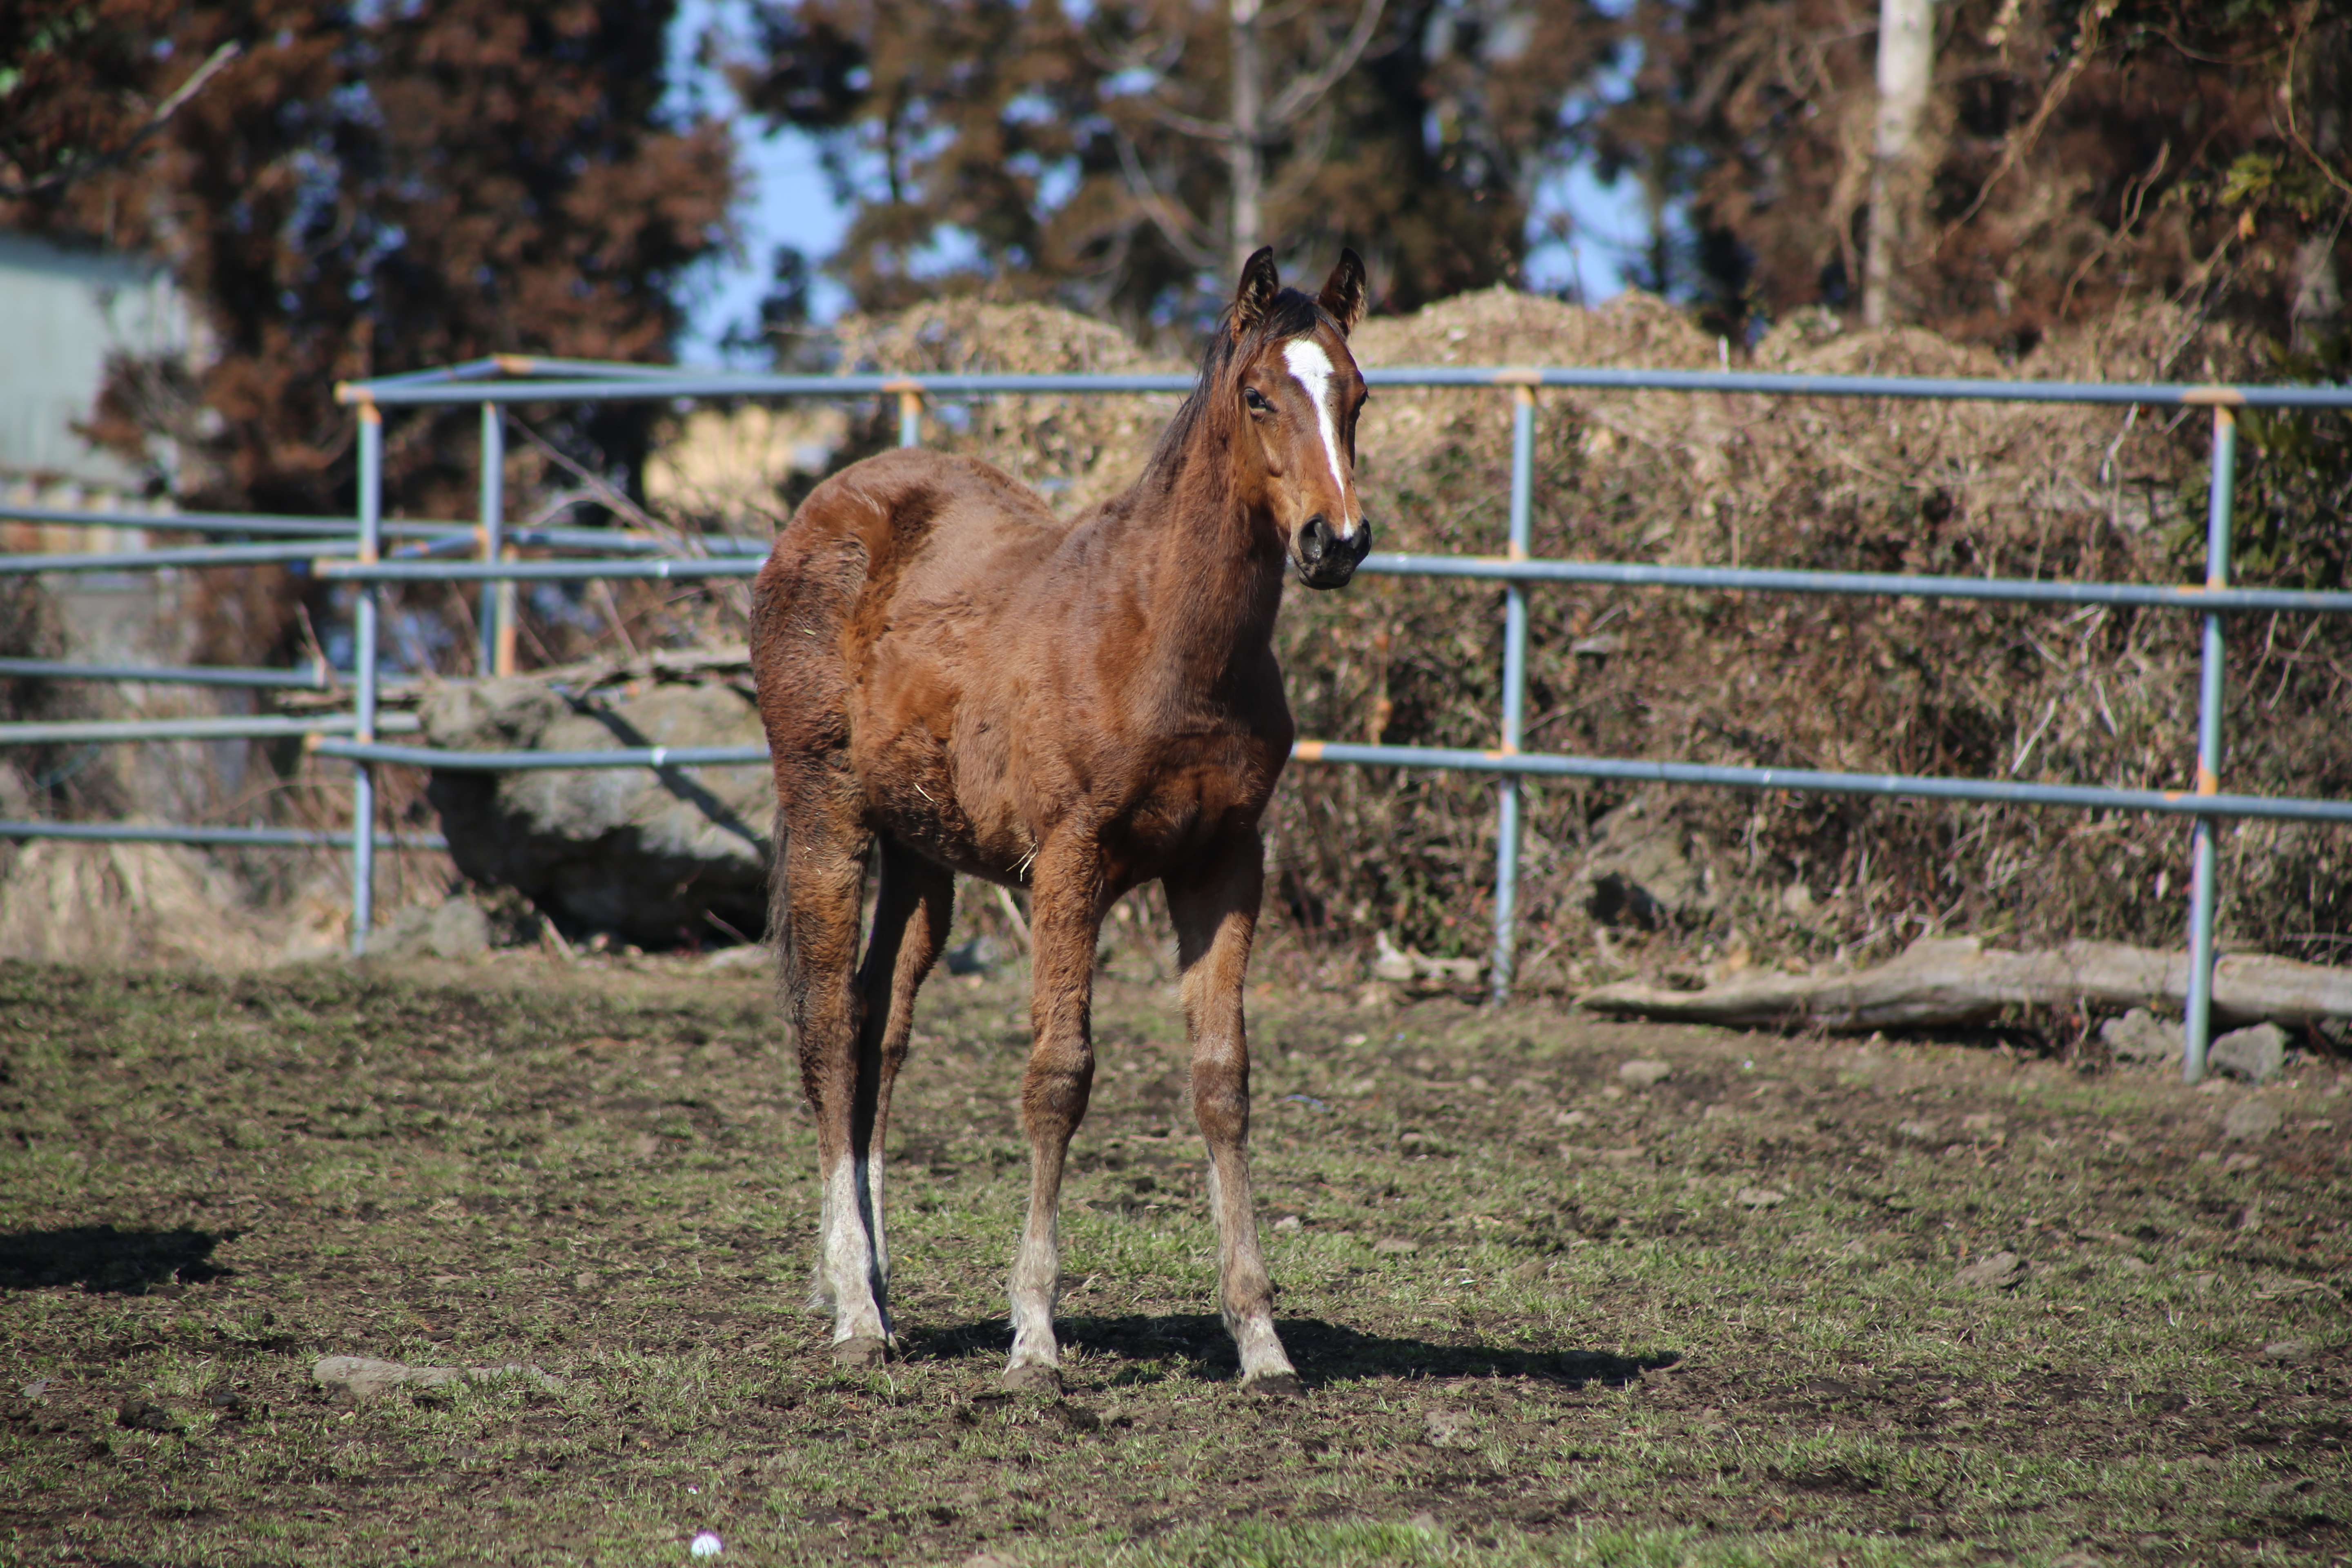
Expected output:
(103, 1260)
(1195, 1345)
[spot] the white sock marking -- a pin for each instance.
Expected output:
(1311, 368)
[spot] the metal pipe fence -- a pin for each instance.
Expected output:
(495, 383)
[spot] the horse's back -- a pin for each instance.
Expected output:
(905, 537)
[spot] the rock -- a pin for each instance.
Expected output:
(1641, 1074)
(1290, 1222)
(1762, 1197)
(1395, 1244)
(977, 956)
(2291, 1352)
(650, 857)
(2139, 1035)
(2257, 1055)
(1452, 1428)
(744, 955)
(1998, 1272)
(364, 1377)
(454, 927)
(2252, 1119)
(1639, 873)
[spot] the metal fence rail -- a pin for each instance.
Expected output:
(358, 556)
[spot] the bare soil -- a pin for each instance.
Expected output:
(1544, 1314)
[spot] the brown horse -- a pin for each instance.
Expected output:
(950, 671)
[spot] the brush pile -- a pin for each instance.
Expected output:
(1620, 880)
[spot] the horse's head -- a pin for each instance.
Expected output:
(1297, 392)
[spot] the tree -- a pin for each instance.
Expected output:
(1898, 167)
(1106, 156)
(347, 190)
(2071, 155)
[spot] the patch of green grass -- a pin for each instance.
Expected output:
(1543, 1319)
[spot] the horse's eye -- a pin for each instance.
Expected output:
(1256, 401)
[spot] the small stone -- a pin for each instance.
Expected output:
(365, 1377)
(977, 956)
(1395, 1244)
(2139, 1035)
(1290, 1222)
(1998, 1272)
(2250, 1120)
(2257, 1055)
(1762, 1197)
(744, 955)
(1573, 1118)
(2134, 1266)
(1630, 1153)
(1452, 1428)
(1640, 1073)
(145, 1415)
(2291, 1352)
(1424, 1521)
(1921, 1131)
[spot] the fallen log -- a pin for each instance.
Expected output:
(1946, 981)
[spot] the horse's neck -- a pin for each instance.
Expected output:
(1216, 583)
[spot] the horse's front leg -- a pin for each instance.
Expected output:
(1066, 916)
(1216, 906)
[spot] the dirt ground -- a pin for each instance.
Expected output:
(1752, 1313)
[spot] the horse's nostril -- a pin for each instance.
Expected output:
(1314, 539)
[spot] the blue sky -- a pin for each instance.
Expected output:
(789, 202)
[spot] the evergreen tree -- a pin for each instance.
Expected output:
(2078, 153)
(1086, 153)
(350, 190)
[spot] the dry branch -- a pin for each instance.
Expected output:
(1944, 982)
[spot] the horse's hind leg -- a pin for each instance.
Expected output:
(824, 870)
(911, 909)
(1215, 911)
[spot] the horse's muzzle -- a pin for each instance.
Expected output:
(1324, 559)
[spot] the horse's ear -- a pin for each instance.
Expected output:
(1343, 292)
(1258, 286)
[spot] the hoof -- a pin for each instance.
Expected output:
(860, 1353)
(1276, 1386)
(1034, 1379)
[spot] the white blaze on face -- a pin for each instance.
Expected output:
(1311, 367)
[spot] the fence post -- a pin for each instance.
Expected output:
(363, 636)
(910, 417)
(1514, 687)
(494, 531)
(2203, 869)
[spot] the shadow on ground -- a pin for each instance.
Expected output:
(1195, 1344)
(106, 1261)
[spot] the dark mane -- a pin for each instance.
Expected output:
(1291, 315)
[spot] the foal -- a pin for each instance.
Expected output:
(949, 670)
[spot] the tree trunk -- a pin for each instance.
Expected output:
(1898, 173)
(1246, 149)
